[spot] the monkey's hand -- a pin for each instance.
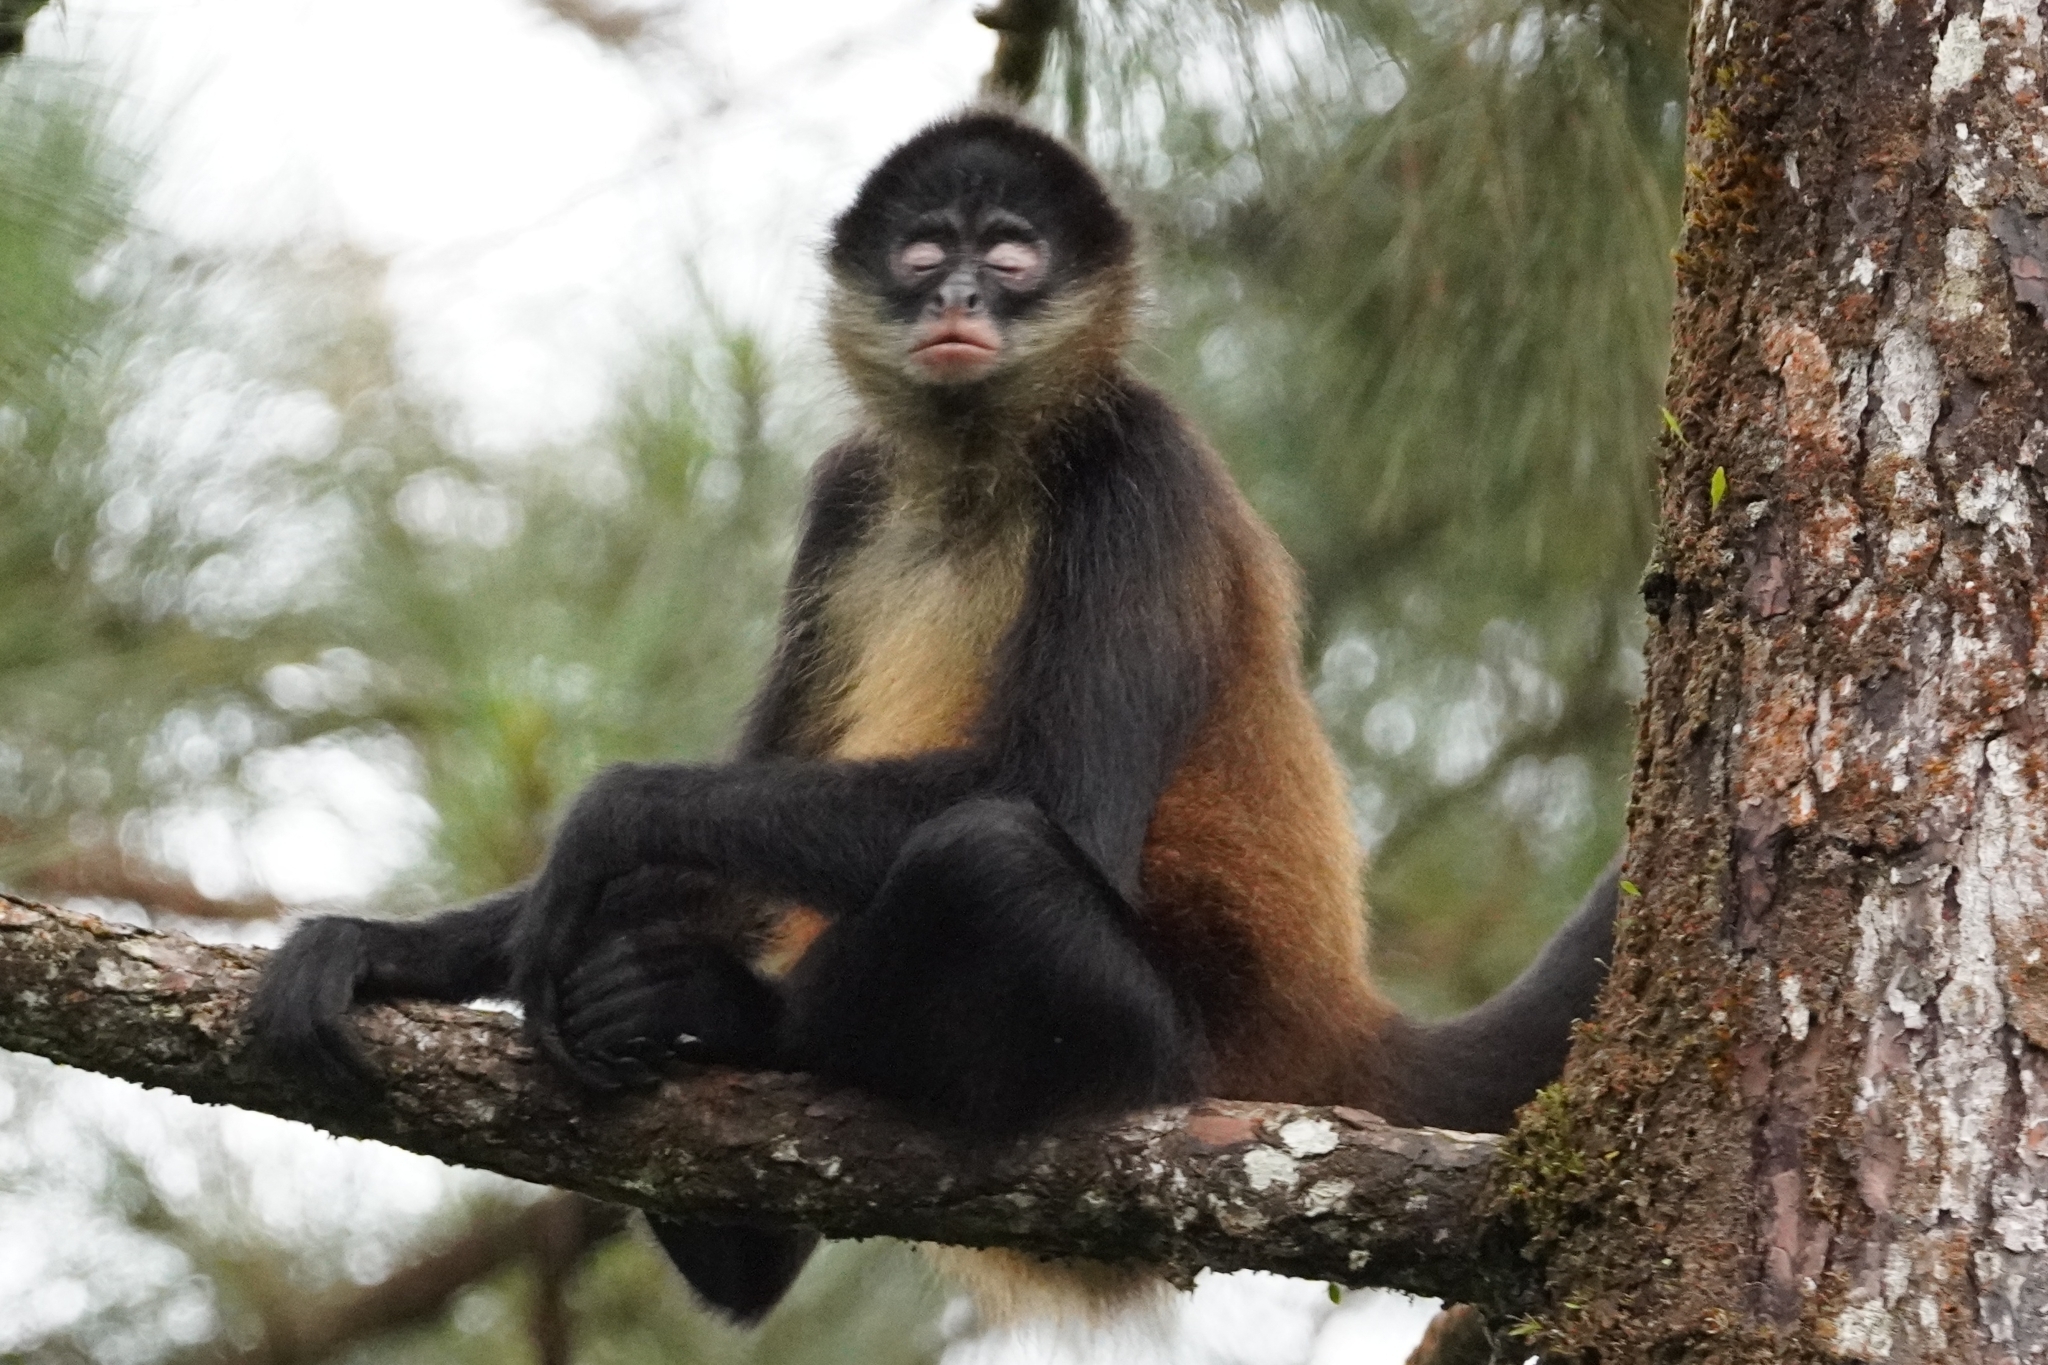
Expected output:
(617, 951)
(299, 1015)
(662, 993)
(560, 924)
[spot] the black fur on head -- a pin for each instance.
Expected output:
(979, 159)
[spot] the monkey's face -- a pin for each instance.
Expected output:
(968, 265)
(958, 279)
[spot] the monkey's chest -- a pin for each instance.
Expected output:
(915, 635)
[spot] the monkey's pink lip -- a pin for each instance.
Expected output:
(955, 341)
(953, 352)
(956, 353)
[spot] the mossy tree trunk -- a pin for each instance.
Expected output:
(1813, 1121)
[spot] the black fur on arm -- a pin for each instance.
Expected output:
(1114, 656)
(847, 490)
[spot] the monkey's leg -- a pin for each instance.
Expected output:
(996, 982)
(993, 983)
(669, 981)
(742, 1269)
(821, 833)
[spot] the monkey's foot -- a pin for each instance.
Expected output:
(655, 995)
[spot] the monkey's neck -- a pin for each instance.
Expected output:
(966, 480)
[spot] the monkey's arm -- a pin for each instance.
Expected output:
(845, 495)
(1116, 652)
(300, 1010)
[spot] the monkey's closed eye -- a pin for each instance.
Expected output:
(919, 257)
(1016, 262)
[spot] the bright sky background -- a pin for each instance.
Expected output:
(534, 191)
(537, 196)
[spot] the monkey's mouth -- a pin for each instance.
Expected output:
(957, 350)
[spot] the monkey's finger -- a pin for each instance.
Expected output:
(595, 994)
(543, 1030)
(632, 1073)
(627, 1036)
(577, 1068)
(645, 1007)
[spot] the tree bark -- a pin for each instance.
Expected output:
(1332, 1194)
(1812, 1121)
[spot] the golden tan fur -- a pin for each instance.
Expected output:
(915, 621)
(1015, 1286)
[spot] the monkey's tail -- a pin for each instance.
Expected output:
(299, 1016)
(1473, 1071)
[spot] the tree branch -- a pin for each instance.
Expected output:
(1024, 29)
(1330, 1194)
(14, 17)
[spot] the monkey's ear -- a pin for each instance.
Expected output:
(298, 1018)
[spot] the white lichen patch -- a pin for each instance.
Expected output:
(1326, 1196)
(1797, 1017)
(2021, 1223)
(1909, 390)
(1968, 173)
(1306, 1137)
(122, 974)
(1995, 499)
(1964, 251)
(1863, 1332)
(1266, 1167)
(1958, 58)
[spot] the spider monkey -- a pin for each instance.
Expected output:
(1032, 816)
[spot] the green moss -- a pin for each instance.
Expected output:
(1540, 1174)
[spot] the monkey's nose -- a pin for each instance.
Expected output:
(963, 292)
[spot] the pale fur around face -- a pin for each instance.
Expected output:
(1052, 360)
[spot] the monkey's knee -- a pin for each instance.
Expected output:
(994, 983)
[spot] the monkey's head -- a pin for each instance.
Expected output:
(982, 270)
